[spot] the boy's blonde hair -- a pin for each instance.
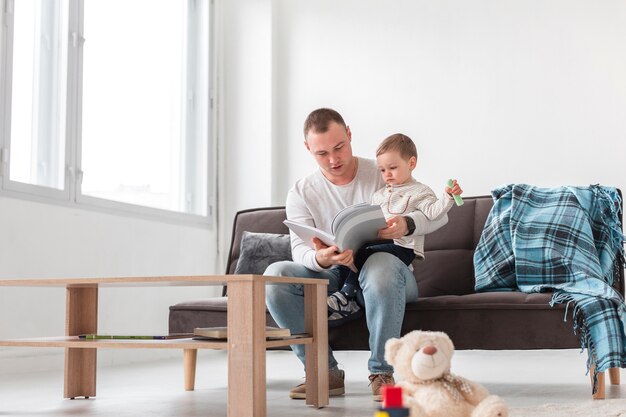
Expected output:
(400, 143)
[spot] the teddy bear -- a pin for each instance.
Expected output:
(422, 360)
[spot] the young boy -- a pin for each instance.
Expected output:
(396, 157)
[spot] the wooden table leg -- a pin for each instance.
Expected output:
(316, 353)
(190, 357)
(246, 349)
(81, 317)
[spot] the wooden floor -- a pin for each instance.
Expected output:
(522, 378)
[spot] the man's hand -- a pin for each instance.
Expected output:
(329, 255)
(396, 228)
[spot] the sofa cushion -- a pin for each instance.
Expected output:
(448, 267)
(259, 250)
(445, 272)
(491, 320)
(494, 321)
(458, 233)
(259, 220)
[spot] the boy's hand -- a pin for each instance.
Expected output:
(396, 228)
(327, 256)
(455, 189)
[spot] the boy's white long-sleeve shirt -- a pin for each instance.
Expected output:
(410, 197)
(314, 200)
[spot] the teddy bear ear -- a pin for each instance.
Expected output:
(392, 346)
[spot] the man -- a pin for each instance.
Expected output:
(387, 283)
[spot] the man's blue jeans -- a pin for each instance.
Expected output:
(387, 285)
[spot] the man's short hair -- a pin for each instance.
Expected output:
(400, 143)
(319, 120)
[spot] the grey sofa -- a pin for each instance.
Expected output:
(447, 302)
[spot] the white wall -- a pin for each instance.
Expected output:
(245, 133)
(491, 91)
(49, 241)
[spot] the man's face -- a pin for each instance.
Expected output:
(332, 151)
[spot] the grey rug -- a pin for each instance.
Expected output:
(600, 408)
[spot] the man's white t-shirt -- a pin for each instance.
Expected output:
(314, 200)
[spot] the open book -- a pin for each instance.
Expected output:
(352, 227)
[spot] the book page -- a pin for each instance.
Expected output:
(360, 227)
(307, 233)
(345, 213)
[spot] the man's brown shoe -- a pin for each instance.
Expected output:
(377, 381)
(336, 386)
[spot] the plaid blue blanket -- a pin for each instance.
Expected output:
(567, 240)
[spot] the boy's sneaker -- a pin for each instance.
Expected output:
(336, 386)
(341, 309)
(377, 381)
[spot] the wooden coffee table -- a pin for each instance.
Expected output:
(246, 343)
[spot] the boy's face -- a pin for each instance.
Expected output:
(394, 169)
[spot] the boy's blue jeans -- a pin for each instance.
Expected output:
(387, 285)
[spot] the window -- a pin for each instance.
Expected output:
(37, 139)
(107, 103)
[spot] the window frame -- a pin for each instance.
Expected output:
(71, 195)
